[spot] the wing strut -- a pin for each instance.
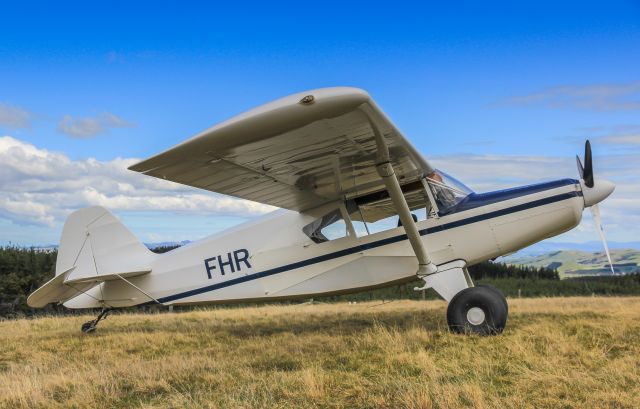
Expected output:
(137, 288)
(386, 172)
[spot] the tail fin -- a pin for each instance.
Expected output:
(95, 246)
(96, 243)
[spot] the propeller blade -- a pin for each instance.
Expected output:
(595, 211)
(580, 167)
(588, 165)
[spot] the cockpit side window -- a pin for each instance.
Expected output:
(375, 212)
(331, 226)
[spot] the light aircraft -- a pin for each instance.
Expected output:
(360, 209)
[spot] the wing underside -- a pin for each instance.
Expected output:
(299, 152)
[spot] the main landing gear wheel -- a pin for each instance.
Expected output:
(90, 326)
(500, 294)
(478, 310)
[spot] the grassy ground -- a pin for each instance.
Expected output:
(556, 352)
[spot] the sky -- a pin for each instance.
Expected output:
(497, 94)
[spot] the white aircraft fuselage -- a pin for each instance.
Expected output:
(272, 258)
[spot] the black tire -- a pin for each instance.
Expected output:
(88, 327)
(497, 291)
(477, 310)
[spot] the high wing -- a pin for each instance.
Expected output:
(298, 152)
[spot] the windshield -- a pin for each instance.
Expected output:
(453, 182)
(447, 190)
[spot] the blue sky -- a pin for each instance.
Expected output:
(496, 85)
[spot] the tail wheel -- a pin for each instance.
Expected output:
(477, 310)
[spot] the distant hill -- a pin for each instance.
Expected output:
(573, 263)
(548, 246)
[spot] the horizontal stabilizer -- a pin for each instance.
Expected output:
(55, 290)
(107, 277)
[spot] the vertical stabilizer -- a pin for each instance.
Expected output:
(95, 247)
(96, 243)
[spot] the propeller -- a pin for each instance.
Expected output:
(595, 212)
(594, 195)
(586, 171)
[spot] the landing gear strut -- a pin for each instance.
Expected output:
(90, 326)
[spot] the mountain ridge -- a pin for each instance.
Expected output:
(575, 263)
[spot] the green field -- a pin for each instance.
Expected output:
(556, 353)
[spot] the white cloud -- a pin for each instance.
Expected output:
(598, 97)
(39, 187)
(630, 139)
(91, 126)
(14, 117)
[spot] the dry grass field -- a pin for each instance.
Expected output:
(555, 353)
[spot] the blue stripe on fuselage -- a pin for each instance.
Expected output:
(375, 244)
